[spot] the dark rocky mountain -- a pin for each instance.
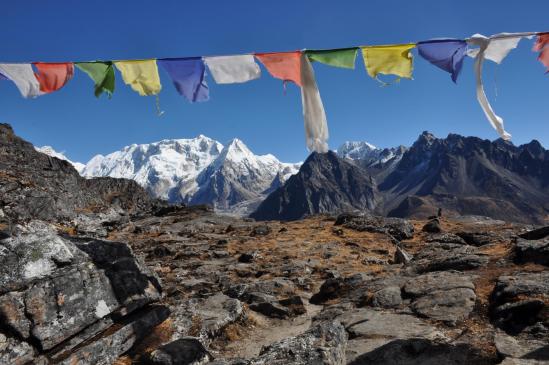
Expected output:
(470, 176)
(461, 175)
(325, 183)
(34, 185)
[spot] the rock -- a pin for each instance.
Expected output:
(337, 287)
(110, 345)
(322, 344)
(185, 351)
(445, 296)
(520, 300)
(270, 307)
(398, 228)
(424, 352)
(13, 351)
(401, 256)
(247, 257)
(536, 251)
(205, 318)
(261, 230)
(479, 238)
(532, 346)
(276, 287)
(536, 234)
(433, 226)
(447, 256)
(387, 298)
(445, 238)
(370, 329)
(61, 291)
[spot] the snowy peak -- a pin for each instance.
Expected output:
(195, 170)
(50, 151)
(355, 150)
(159, 166)
(368, 154)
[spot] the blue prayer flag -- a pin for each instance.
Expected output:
(446, 54)
(188, 76)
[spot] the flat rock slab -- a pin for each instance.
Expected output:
(447, 296)
(423, 352)
(438, 256)
(322, 344)
(205, 317)
(371, 329)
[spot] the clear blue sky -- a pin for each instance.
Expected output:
(74, 121)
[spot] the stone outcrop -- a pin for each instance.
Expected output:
(56, 293)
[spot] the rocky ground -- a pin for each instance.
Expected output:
(96, 272)
(187, 286)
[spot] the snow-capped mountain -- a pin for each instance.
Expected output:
(195, 171)
(368, 154)
(160, 166)
(237, 176)
(48, 150)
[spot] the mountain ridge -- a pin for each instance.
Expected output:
(460, 175)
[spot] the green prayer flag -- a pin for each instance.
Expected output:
(102, 73)
(343, 57)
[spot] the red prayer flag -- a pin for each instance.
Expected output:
(53, 76)
(542, 47)
(282, 65)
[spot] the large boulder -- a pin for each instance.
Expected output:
(536, 251)
(521, 300)
(58, 292)
(447, 296)
(438, 256)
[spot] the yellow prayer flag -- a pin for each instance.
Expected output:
(142, 76)
(389, 60)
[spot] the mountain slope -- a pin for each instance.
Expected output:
(325, 183)
(48, 150)
(34, 185)
(467, 175)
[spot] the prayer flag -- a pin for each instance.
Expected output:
(389, 60)
(233, 69)
(102, 74)
(283, 65)
(142, 76)
(344, 57)
(53, 76)
(23, 77)
(494, 48)
(446, 54)
(541, 46)
(314, 116)
(188, 76)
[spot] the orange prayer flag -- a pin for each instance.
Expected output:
(53, 76)
(542, 46)
(283, 65)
